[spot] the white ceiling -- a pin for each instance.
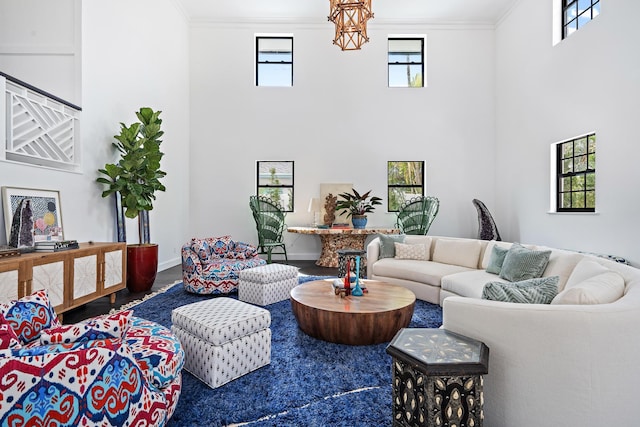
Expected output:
(432, 11)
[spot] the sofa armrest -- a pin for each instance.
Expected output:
(190, 261)
(579, 352)
(94, 383)
(373, 253)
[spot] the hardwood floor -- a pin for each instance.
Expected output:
(164, 278)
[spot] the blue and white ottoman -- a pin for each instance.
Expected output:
(223, 338)
(267, 284)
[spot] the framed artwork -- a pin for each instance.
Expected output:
(334, 190)
(44, 207)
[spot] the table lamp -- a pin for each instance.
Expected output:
(314, 207)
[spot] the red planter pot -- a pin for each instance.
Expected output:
(142, 266)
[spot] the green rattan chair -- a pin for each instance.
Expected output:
(269, 217)
(416, 215)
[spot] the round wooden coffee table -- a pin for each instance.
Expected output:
(372, 318)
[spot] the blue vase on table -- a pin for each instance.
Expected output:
(359, 221)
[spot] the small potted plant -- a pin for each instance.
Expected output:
(357, 206)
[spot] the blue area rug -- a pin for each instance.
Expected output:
(308, 383)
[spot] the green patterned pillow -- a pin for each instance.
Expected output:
(496, 259)
(387, 245)
(533, 291)
(521, 263)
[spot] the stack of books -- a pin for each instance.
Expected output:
(56, 245)
(340, 225)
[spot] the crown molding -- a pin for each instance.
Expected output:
(508, 12)
(181, 9)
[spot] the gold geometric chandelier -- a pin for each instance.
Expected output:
(350, 17)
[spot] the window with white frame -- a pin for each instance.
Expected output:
(406, 61)
(274, 61)
(576, 13)
(576, 174)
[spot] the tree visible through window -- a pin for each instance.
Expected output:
(275, 180)
(406, 62)
(405, 180)
(576, 172)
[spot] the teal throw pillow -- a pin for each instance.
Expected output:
(533, 291)
(387, 244)
(521, 263)
(496, 259)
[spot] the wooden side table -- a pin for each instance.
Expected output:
(437, 378)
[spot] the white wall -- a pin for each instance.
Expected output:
(40, 42)
(134, 54)
(546, 94)
(339, 123)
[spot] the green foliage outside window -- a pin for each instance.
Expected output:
(275, 180)
(405, 180)
(577, 175)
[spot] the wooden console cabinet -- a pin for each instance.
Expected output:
(72, 278)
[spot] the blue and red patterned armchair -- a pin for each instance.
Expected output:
(110, 370)
(211, 265)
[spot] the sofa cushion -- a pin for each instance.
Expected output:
(243, 251)
(8, 338)
(387, 247)
(487, 252)
(30, 315)
(522, 263)
(561, 263)
(468, 283)
(201, 248)
(464, 253)
(97, 328)
(417, 252)
(220, 246)
(427, 272)
(603, 288)
(532, 291)
(584, 270)
(498, 253)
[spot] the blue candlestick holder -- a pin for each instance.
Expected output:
(357, 291)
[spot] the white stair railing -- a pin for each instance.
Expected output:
(39, 128)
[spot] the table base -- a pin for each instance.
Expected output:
(435, 400)
(332, 242)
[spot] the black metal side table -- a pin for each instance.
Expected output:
(351, 254)
(437, 378)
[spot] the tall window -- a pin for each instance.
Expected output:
(274, 61)
(576, 13)
(405, 180)
(406, 62)
(576, 172)
(275, 180)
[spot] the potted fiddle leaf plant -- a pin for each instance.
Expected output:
(357, 206)
(135, 178)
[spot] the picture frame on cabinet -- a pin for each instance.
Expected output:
(45, 211)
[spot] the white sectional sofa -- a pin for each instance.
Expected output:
(556, 364)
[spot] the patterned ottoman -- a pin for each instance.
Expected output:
(223, 338)
(267, 284)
